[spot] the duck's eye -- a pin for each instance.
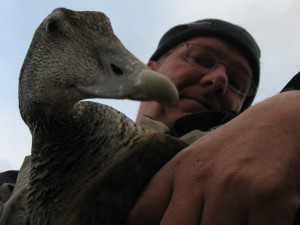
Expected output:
(51, 25)
(117, 70)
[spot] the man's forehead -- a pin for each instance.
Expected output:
(216, 45)
(212, 42)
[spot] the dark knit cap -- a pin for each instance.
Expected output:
(229, 32)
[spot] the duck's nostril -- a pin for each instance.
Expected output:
(116, 70)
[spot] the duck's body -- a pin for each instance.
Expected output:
(90, 165)
(89, 161)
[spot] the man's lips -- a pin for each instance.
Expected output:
(190, 105)
(206, 104)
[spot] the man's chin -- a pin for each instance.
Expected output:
(177, 114)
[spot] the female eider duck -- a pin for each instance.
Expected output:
(89, 162)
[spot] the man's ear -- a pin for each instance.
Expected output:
(152, 65)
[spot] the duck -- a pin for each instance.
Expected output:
(89, 161)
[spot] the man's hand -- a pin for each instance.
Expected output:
(245, 172)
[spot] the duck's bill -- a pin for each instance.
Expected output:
(145, 85)
(125, 77)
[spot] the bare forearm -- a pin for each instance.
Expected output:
(248, 168)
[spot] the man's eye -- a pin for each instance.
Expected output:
(235, 83)
(203, 62)
(238, 80)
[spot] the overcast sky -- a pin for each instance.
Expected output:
(139, 25)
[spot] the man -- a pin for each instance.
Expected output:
(215, 66)
(243, 172)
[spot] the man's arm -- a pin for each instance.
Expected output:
(245, 172)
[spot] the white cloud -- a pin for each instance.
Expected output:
(15, 139)
(5, 165)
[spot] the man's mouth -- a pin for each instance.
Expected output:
(206, 104)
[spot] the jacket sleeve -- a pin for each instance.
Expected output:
(293, 84)
(7, 183)
(13, 196)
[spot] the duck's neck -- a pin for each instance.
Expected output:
(69, 149)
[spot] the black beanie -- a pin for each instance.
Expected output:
(229, 32)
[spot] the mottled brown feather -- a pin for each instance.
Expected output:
(89, 161)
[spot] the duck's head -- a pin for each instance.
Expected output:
(75, 56)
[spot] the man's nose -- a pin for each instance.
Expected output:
(216, 80)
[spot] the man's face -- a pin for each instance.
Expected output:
(198, 91)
